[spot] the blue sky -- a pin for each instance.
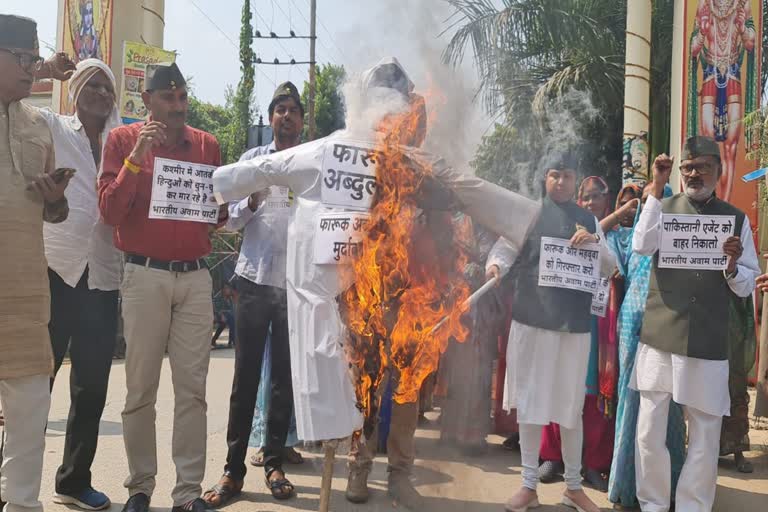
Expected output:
(353, 33)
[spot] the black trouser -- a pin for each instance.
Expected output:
(259, 307)
(84, 322)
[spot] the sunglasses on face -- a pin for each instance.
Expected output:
(27, 61)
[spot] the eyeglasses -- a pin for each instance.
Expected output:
(27, 61)
(701, 168)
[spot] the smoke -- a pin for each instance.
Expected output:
(411, 32)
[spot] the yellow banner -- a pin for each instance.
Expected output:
(136, 58)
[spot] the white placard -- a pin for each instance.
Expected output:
(564, 266)
(349, 174)
(694, 241)
(279, 200)
(600, 297)
(183, 191)
(338, 237)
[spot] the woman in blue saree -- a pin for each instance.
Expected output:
(636, 271)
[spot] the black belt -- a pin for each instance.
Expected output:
(170, 266)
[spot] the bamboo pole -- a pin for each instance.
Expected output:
(325, 486)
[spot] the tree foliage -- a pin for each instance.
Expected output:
(243, 99)
(532, 53)
(329, 100)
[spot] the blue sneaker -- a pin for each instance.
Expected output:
(89, 499)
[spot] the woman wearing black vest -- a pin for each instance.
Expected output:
(550, 336)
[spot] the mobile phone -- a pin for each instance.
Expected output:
(62, 172)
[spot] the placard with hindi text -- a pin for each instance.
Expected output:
(183, 191)
(338, 237)
(563, 266)
(694, 241)
(348, 174)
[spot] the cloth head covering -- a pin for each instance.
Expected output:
(163, 76)
(601, 184)
(84, 72)
(635, 190)
(18, 32)
(388, 74)
(285, 90)
(698, 146)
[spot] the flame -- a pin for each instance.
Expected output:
(407, 276)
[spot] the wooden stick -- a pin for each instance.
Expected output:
(327, 481)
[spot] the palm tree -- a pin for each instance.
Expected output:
(530, 53)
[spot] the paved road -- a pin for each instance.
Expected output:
(449, 482)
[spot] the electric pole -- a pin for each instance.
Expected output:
(312, 78)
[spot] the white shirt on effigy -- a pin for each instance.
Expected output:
(262, 256)
(698, 383)
(81, 240)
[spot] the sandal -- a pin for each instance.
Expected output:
(223, 492)
(291, 456)
(277, 487)
(257, 459)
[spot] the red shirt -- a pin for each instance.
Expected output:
(124, 197)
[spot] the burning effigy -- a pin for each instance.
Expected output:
(372, 288)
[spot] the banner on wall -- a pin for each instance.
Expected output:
(721, 84)
(87, 34)
(136, 58)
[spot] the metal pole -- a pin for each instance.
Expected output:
(312, 78)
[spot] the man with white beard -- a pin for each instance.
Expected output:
(683, 353)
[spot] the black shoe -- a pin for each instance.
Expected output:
(597, 480)
(137, 503)
(196, 505)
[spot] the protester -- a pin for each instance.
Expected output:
(636, 269)
(683, 350)
(32, 191)
(166, 289)
(598, 422)
(549, 342)
(734, 436)
(466, 368)
(84, 273)
(262, 310)
(224, 315)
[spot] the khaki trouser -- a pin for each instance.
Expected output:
(25, 403)
(166, 311)
(401, 446)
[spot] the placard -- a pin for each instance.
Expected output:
(183, 191)
(563, 266)
(338, 237)
(279, 200)
(600, 297)
(136, 58)
(349, 174)
(694, 241)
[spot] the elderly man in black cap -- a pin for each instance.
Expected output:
(166, 288)
(683, 351)
(262, 306)
(31, 191)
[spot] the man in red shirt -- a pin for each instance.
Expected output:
(166, 288)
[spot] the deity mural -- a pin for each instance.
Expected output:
(635, 160)
(723, 42)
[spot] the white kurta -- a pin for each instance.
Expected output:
(546, 370)
(693, 382)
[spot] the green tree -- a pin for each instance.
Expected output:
(531, 53)
(243, 98)
(329, 100)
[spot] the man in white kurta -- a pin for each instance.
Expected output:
(550, 334)
(683, 353)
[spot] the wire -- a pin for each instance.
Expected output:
(228, 38)
(271, 29)
(333, 41)
(319, 40)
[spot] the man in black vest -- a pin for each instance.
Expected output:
(683, 351)
(550, 336)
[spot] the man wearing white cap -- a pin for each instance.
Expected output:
(84, 274)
